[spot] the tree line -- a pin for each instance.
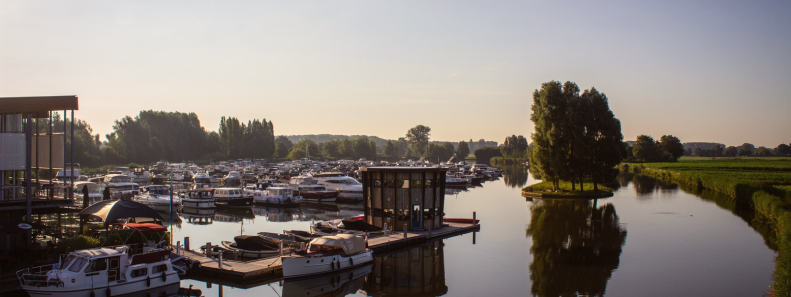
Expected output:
(576, 135)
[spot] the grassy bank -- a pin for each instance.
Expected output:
(498, 161)
(565, 189)
(763, 185)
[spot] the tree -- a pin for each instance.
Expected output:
(763, 151)
(645, 149)
(281, 149)
(717, 150)
(783, 150)
(672, 145)
(303, 149)
(331, 149)
(484, 154)
(418, 137)
(463, 150)
(731, 151)
(547, 159)
(514, 146)
(603, 139)
(746, 149)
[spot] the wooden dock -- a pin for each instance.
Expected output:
(245, 274)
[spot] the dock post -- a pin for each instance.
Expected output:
(473, 219)
(219, 260)
(405, 231)
(208, 250)
(186, 243)
(178, 247)
(281, 248)
(385, 229)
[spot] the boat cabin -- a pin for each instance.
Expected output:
(157, 190)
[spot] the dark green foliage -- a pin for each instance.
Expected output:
(86, 144)
(440, 153)
(783, 150)
(155, 135)
(672, 145)
(256, 139)
(418, 138)
(484, 154)
(302, 148)
(514, 147)
(79, 242)
(731, 151)
(576, 136)
(763, 151)
(746, 149)
(462, 150)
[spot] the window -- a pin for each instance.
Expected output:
(402, 184)
(427, 184)
(416, 183)
(389, 183)
(377, 183)
(97, 265)
(139, 272)
(77, 264)
(159, 268)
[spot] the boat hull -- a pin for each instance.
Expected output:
(297, 267)
(169, 285)
(235, 202)
(197, 204)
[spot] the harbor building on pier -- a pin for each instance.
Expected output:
(395, 197)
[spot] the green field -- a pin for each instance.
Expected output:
(771, 171)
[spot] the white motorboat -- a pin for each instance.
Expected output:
(276, 196)
(346, 186)
(199, 198)
(94, 192)
(317, 193)
(107, 271)
(158, 197)
(327, 254)
(123, 190)
(234, 178)
(201, 178)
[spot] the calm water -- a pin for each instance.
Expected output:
(650, 239)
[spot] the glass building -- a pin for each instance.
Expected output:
(404, 196)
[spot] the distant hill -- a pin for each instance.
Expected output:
(701, 145)
(321, 138)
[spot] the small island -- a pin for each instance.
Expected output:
(565, 190)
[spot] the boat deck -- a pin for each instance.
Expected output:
(260, 271)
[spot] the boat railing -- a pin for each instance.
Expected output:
(37, 276)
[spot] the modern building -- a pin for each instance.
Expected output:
(395, 197)
(33, 149)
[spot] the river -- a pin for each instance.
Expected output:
(649, 239)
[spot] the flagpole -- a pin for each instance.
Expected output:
(171, 208)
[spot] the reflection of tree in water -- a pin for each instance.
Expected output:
(515, 176)
(646, 185)
(576, 247)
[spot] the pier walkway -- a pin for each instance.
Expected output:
(257, 272)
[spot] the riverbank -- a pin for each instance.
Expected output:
(762, 185)
(544, 190)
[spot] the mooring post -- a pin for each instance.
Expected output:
(473, 218)
(178, 247)
(473, 237)
(219, 260)
(385, 229)
(281, 248)
(208, 249)
(405, 231)
(186, 243)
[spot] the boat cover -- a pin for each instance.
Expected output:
(147, 227)
(359, 225)
(350, 244)
(255, 243)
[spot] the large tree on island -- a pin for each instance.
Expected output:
(576, 136)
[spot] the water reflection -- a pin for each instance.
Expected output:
(576, 247)
(419, 271)
(645, 186)
(515, 176)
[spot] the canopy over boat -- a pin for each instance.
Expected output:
(350, 244)
(111, 210)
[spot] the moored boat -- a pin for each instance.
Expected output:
(327, 254)
(231, 197)
(199, 198)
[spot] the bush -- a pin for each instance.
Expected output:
(78, 242)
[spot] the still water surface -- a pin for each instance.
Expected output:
(650, 239)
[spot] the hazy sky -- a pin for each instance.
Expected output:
(703, 71)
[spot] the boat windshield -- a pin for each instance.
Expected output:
(78, 264)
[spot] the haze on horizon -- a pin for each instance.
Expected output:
(712, 71)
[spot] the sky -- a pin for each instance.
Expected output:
(704, 71)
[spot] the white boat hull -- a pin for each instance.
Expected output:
(295, 266)
(198, 204)
(116, 288)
